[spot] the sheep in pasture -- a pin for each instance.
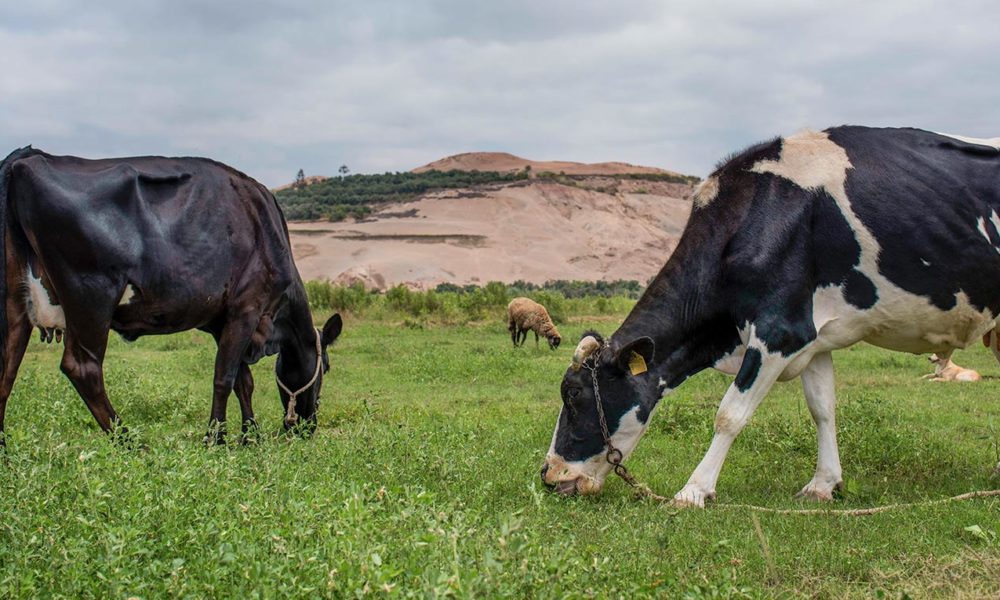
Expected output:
(523, 315)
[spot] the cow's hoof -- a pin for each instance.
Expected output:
(214, 438)
(692, 496)
(125, 439)
(216, 434)
(819, 491)
(250, 434)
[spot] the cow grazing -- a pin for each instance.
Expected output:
(154, 245)
(795, 247)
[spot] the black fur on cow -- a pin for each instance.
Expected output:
(794, 248)
(153, 245)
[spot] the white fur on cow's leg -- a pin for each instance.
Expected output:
(817, 383)
(992, 341)
(758, 373)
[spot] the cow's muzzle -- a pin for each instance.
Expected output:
(562, 479)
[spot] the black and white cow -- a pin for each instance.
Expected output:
(795, 247)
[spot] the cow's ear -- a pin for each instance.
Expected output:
(332, 329)
(636, 356)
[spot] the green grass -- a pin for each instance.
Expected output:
(423, 480)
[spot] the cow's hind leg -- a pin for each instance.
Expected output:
(232, 341)
(18, 334)
(759, 371)
(817, 383)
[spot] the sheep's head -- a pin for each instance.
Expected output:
(554, 341)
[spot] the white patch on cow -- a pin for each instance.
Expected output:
(991, 142)
(901, 321)
(41, 311)
(706, 191)
(981, 226)
(590, 474)
(995, 219)
(810, 160)
(925, 263)
(127, 295)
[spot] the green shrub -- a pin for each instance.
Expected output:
(450, 303)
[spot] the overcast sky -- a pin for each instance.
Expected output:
(272, 86)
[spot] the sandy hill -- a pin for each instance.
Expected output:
(503, 162)
(584, 228)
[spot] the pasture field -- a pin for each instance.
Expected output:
(422, 480)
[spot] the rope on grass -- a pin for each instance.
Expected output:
(644, 491)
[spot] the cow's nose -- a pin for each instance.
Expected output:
(545, 469)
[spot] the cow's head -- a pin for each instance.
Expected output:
(306, 399)
(577, 459)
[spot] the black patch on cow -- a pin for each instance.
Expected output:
(748, 370)
(743, 159)
(921, 195)
(859, 290)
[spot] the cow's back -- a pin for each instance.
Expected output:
(187, 233)
(932, 203)
(906, 234)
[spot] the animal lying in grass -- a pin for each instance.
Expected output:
(524, 315)
(795, 247)
(946, 370)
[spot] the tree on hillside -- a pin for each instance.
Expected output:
(343, 170)
(300, 180)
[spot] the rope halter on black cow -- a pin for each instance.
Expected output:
(290, 413)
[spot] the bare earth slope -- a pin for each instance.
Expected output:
(537, 230)
(502, 161)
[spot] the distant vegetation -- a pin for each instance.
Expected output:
(452, 304)
(337, 198)
(356, 195)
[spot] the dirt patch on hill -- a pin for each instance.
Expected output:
(588, 229)
(504, 162)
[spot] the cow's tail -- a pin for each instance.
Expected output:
(5, 222)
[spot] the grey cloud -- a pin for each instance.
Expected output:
(274, 86)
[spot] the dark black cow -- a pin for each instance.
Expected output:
(152, 245)
(795, 247)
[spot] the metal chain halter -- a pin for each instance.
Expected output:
(290, 413)
(614, 456)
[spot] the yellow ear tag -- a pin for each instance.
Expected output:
(637, 364)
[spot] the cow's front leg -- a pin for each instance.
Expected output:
(759, 371)
(244, 392)
(817, 383)
(232, 341)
